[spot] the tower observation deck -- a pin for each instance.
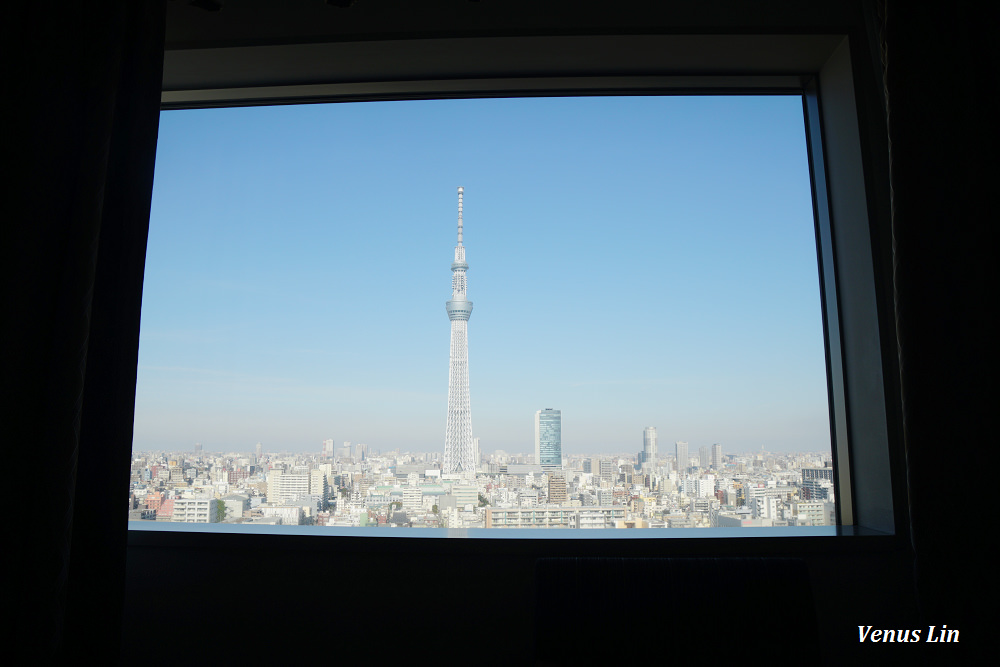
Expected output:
(458, 446)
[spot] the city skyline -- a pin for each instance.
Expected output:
(356, 490)
(644, 260)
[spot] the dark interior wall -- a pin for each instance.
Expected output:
(393, 603)
(361, 603)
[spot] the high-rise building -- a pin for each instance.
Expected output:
(557, 488)
(360, 451)
(607, 471)
(548, 439)
(817, 483)
(458, 447)
(717, 456)
(681, 451)
(704, 458)
(648, 445)
(285, 486)
(328, 449)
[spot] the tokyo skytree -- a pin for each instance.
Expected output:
(458, 446)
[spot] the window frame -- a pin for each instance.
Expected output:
(847, 146)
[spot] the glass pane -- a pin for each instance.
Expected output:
(645, 351)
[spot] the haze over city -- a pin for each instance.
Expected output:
(634, 262)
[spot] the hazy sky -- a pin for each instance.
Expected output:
(634, 261)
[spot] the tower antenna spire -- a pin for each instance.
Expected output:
(461, 190)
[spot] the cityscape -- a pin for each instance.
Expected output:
(348, 485)
(355, 486)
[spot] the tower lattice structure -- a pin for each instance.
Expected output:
(458, 446)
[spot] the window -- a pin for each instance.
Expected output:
(851, 313)
(639, 259)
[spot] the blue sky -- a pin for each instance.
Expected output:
(634, 261)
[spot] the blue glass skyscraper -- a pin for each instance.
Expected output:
(548, 439)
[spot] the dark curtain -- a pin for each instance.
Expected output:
(85, 90)
(939, 83)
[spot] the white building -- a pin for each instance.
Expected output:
(283, 486)
(290, 515)
(413, 498)
(196, 510)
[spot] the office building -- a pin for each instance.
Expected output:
(283, 486)
(648, 445)
(557, 488)
(817, 484)
(717, 456)
(681, 452)
(458, 447)
(548, 439)
(607, 470)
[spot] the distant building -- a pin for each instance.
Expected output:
(360, 451)
(683, 460)
(166, 510)
(283, 486)
(730, 520)
(814, 513)
(236, 505)
(465, 494)
(319, 486)
(649, 451)
(817, 484)
(765, 507)
(288, 515)
(196, 510)
(153, 500)
(413, 498)
(557, 488)
(548, 439)
(717, 456)
(814, 474)
(554, 517)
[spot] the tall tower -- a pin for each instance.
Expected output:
(458, 447)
